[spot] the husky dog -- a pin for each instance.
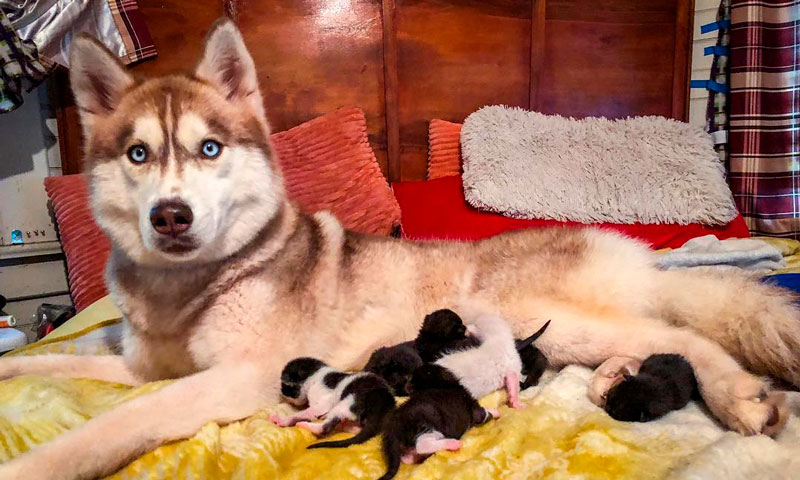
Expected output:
(184, 182)
(363, 398)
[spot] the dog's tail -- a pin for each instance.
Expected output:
(520, 344)
(379, 404)
(392, 451)
(756, 322)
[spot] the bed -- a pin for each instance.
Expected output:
(414, 61)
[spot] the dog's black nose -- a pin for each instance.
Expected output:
(171, 217)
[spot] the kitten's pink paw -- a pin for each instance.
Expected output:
(451, 444)
(315, 428)
(278, 420)
(516, 404)
(409, 458)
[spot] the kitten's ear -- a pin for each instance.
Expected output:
(227, 65)
(98, 79)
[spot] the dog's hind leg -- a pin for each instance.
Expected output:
(740, 400)
(104, 444)
(110, 368)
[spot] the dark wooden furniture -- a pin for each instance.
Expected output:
(405, 62)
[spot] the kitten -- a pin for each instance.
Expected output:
(533, 361)
(362, 398)
(442, 331)
(665, 382)
(395, 365)
(438, 412)
(490, 366)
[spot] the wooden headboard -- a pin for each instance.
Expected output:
(405, 62)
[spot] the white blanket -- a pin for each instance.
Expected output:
(709, 251)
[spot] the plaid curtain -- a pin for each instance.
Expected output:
(764, 112)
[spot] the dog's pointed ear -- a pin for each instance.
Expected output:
(98, 79)
(227, 65)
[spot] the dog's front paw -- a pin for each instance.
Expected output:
(747, 405)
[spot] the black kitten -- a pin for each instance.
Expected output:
(665, 382)
(442, 331)
(436, 415)
(395, 365)
(534, 362)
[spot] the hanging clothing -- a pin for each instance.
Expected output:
(52, 24)
(20, 66)
(765, 115)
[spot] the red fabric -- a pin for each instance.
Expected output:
(85, 245)
(444, 149)
(328, 164)
(436, 209)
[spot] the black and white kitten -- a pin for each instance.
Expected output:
(665, 382)
(395, 364)
(362, 398)
(438, 412)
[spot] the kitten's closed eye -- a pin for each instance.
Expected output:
(290, 390)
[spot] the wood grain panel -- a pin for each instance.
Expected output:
(610, 57)
(453, 58)
(178, 28)
(316, 56)
(405, 62)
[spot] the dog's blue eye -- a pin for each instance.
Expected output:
(211, 149)
(137, 154)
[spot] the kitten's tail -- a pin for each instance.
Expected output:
(379, 406)
(520, 344)
(392, 451)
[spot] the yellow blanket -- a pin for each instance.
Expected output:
(560, 435)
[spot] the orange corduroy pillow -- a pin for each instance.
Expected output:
(444, 149)
(328, 164)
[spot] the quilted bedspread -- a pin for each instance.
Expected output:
(560, 435)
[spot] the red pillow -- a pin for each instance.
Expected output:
(436, 209)
(85, 245)
(444, 149)
(327, 164)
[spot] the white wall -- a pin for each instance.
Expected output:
(29, 152)
(705, 11)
